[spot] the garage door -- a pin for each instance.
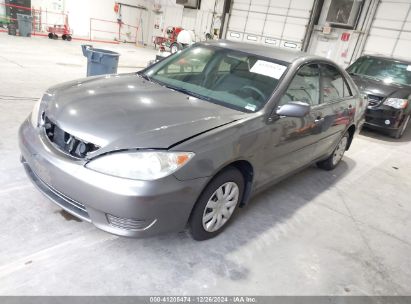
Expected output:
(390, 32)
(271, 22)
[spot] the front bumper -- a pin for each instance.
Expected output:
(383, 117)
(120, 206)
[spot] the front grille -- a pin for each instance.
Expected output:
(126, 223)
(69, 200)
(374, 100)
(67, 142)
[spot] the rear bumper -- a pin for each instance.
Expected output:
(120, 206)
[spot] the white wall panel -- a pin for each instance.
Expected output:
(281, 3)
(274, 26)
(270, 22)
(189, 19)
(394, 24)
(391, 10)
(238, 20)
(282, 11)
(390, 32)
(301, 4)
(255, 23)
(241, 5)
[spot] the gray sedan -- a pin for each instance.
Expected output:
(188, 140)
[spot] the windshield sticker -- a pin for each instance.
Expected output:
(250, 107)
(409, 68)
(269, 69)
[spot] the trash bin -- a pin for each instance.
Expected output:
(99, 61)
(25, 25)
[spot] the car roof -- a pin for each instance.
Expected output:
(282, 54)
(402, 60)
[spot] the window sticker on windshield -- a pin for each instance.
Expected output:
(269, 69)
(250, 107)
(409, 68)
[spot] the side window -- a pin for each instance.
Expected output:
(304, 87)
(334, 85)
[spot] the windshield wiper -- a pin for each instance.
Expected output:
(365, 75)
(185, 91)
(372, 77)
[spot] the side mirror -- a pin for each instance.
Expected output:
(294, 109)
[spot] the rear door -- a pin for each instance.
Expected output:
(335, 112)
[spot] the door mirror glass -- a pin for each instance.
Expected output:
(294, 109)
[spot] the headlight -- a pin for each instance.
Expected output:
(397, 103)
(145, 165)
(35, 114)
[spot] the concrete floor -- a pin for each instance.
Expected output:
(345, 232)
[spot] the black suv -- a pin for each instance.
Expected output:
(387, 83)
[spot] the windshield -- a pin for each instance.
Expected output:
(389, 71)
(223, 76)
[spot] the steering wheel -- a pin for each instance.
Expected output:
(254, 90)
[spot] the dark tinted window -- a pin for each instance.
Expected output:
(383, 69)
(334, 86)
(304, 87)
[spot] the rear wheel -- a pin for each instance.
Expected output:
(64, 37)
(217, 204)
(334, 159)
(400, 132)
(50, 35)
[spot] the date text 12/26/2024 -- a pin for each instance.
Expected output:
(203, 299)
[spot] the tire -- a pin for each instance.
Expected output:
(64, 37)
(206, 221)
(69, 38)
(175, 47)
(50, 35)
(335, 158)
(400, 132)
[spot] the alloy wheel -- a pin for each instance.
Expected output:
(339, 151)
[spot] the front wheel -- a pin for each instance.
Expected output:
(217, 204)
(334, 159)
(402, 129)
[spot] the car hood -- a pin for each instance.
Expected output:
(380, 88)
(125, 111)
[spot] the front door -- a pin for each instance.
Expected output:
(291, 142)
